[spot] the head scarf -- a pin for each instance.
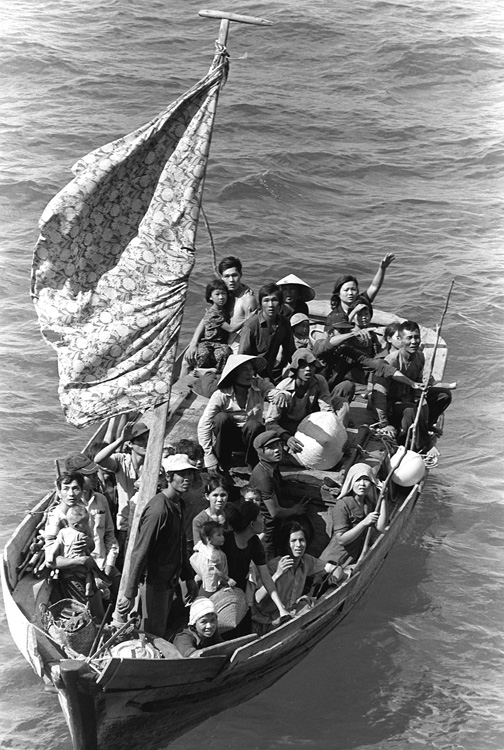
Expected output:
(355, 472)
(200, 606)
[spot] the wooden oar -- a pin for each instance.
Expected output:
(411, 436)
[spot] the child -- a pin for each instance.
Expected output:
(202, 630)
(250, 494)
(300, 325)
(74, 541)
(209, 561)
(208, 347)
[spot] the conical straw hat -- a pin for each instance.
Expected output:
(307, 292)
(233, 362)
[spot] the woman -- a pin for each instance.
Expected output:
(216, 495)
(354, 513)
(242, 546)
(346, 292)
(289, 573)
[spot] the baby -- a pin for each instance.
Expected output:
(210, 562)
(250, 494)
(75, 540)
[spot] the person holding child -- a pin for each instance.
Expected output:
(209, 561)
(74, 542)
(209, 345)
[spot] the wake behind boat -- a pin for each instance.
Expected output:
(116, 322)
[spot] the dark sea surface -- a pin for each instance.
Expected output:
(346, 131)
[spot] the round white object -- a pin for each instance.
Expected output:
(323, 436)
(411, 469)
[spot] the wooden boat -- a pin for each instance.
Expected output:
(141, 703)
(115, 702)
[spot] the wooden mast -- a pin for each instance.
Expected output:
(150, 473)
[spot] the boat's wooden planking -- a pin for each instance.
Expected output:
(140, 674)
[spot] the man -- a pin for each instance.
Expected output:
(305, 392)
(69, 487)
(242, 300)
(267, 479)
(396, 403)
(338, 356)
(160, 550)
(233, 416)
(268, 334)
(127, 468)
(101, 524)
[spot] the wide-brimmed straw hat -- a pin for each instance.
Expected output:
(306, 293)
(235, 361)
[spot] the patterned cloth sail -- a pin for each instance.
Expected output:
(112, 263)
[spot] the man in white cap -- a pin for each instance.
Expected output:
(160, 550)
(233, 416)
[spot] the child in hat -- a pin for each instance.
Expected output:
(300, 324)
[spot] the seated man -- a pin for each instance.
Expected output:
(242, 300)
(305, 392)
(268, 334)
(396, 403)
(234, 414)
(339, 355)
(267, 479)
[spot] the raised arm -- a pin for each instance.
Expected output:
(377, 282)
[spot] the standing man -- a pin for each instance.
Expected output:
(106, 547)
(127, 467)
(160, 550)
(268, 334)
(242, 300)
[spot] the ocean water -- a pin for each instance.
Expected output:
(346, 130)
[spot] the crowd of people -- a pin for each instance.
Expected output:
(263, 371)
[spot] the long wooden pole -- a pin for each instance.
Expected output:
(150, 473)
(411, 436)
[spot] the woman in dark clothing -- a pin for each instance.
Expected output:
(241, 547)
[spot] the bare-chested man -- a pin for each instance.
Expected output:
(243, 301)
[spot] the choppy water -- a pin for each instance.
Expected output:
(347, 130)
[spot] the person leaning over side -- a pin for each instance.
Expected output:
(160, 551)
